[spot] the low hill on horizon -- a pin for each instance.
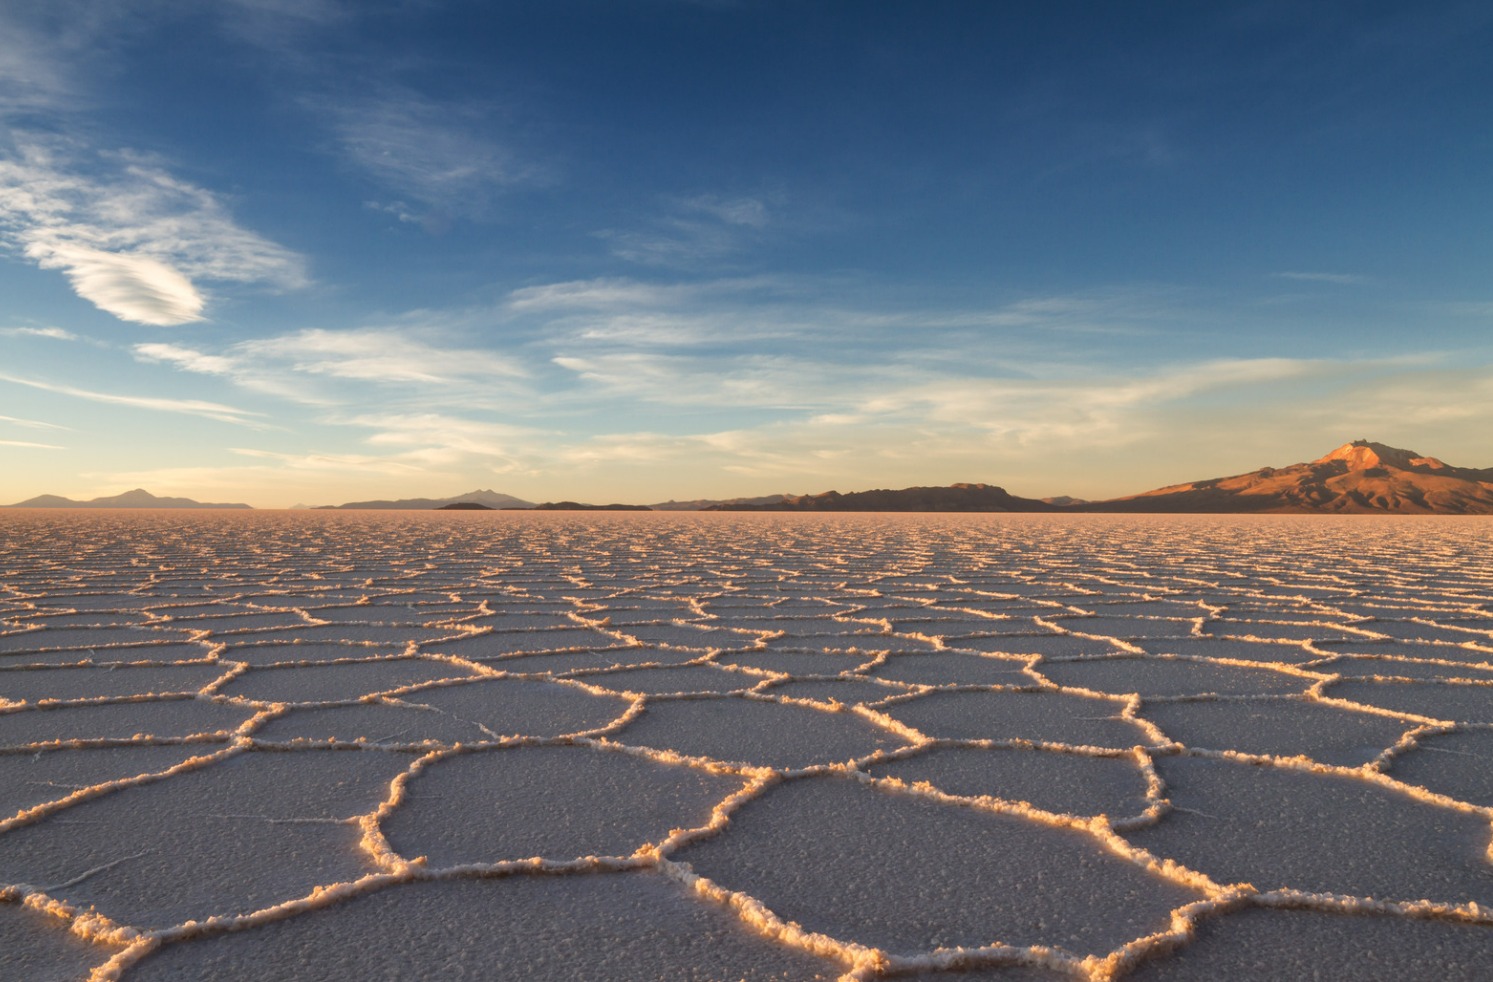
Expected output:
(1361, 477)
(957, 497)
(704, 504)
(138, 498)
(491, 499)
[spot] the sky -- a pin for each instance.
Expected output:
(311, 251)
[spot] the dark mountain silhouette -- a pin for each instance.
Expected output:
(492, 499)
(701, 504)
(138, 498)
(578, 506)
(1357, 478)
(466, 506)
(958, 497)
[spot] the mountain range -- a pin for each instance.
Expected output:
(1357, 478)
(1361, 477)
(491, 499)
(138, 498)
(957, 497)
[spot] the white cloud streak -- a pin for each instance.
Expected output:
(330, 368)
(694, 231)
(1337, 279)
(55, 333)
(425, 151)
(31, 423)
(190, 407)
(27, 444)
(130, 238)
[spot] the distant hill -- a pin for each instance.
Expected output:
(577, 506)
(138, 498)
(702, 504)
(958, 497)
(1357, 478)
(491, 499)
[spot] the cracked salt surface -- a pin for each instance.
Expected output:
(346, 746)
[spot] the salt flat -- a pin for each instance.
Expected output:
(707, 746)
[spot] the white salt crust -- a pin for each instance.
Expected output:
(861, 746)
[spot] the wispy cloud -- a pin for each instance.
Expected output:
(31, 423)
(308, 366)
(692, 231)
(377, 355)
(431, 154)
(25, 443)
(131, 238)
(190, 407)
(1337, 279)
(55, 333)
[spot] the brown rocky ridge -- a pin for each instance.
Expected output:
(1361, 477)
(957, 497)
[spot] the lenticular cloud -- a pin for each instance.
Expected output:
(130, 286)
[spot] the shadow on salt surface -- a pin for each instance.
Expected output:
(508, 622)
(88, 637)
(238, 623)
(486, 647)
(386, 634)
(1264, 629)
(91, 682)
(557, 802)
(951, 668)
(756, 732)
(121, 618)
(1073, 784)
(157, 653)
(1239, 650)
(275, 653)
(1324, 947)
(327, 683)
(243, 833)
(695, 678)
(846, 643)
(375, 723)
(120, 721)
(1354, 666)
(1431, 633)
(846, 691)
(1279, 727)
(1124, 628)
(1047, 717)
(908, 874)
(1160, 676)
(521, 707)
(1025, 645)
(561, 664)
(29, 779)
(1438, 700)
(619, 927)
(686, 636)
(1456, 764)
(798, 663)
(1280, 827)
(35, 947)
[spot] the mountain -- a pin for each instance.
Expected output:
(137, 498)
(492, 499)
(1357, 478)
(701, 504)
(958, 497)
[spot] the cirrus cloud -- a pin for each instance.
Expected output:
(131, 238)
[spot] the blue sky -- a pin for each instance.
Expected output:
(286, 251)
